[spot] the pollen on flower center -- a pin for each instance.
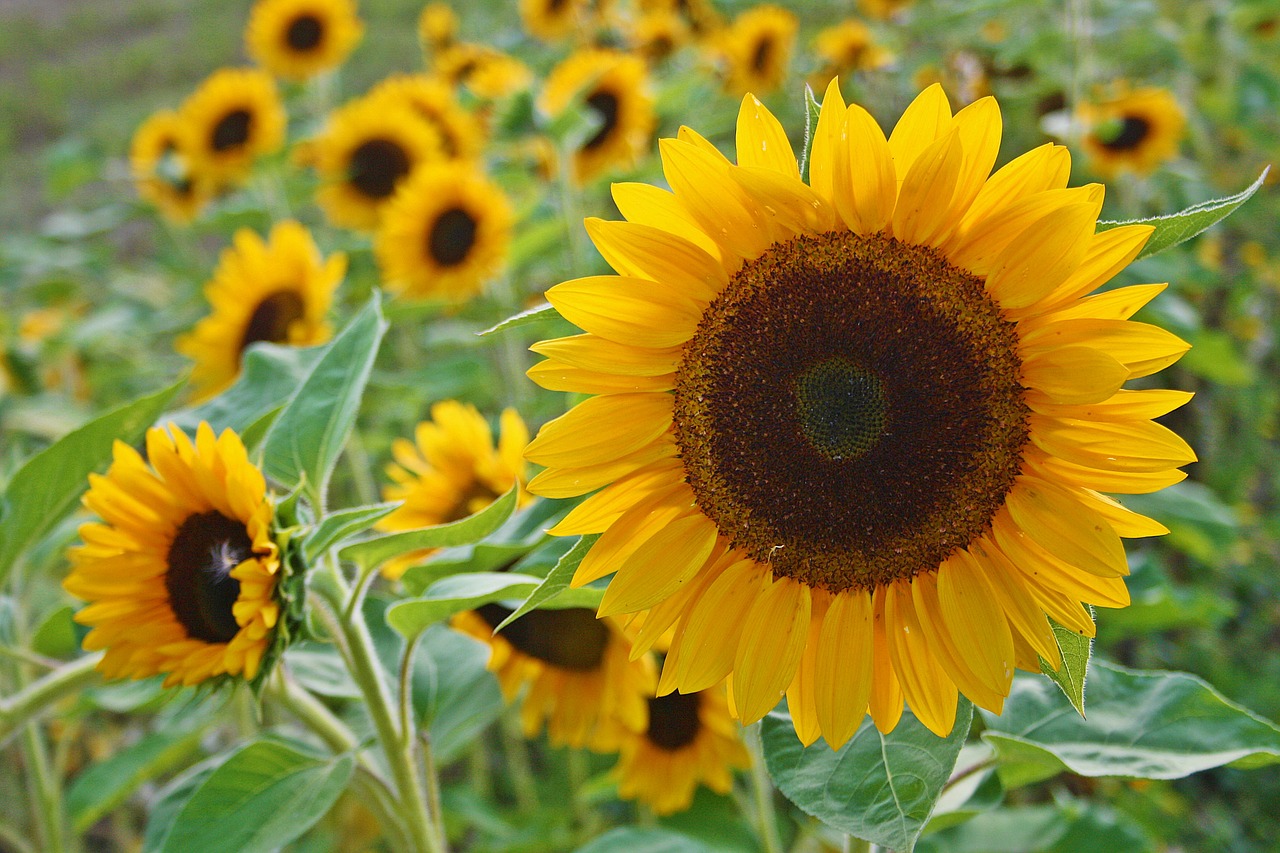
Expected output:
(849, 410)
(202, 593)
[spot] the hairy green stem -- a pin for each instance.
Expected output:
(762, 788)
(37, 697)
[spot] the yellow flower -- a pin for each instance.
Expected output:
(883, 9)
(452, 471)
(1133, 131)
(233, 118)
(444, 233)
(553, 20)
(614, 87)
(757, 49)
(182, 576)
(656, 35)
(848, 46)
(437, 27)
(162, 167)
(462, 136)
(689, 738)
(486, 71)
(853, 435)
(297, 39)
(278, 291)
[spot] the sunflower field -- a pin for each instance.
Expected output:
(640, 425)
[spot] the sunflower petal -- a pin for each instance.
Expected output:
(1066, 528)
(843, 666)
(864, 178)
(601, 429)
(826, 140)
(773, 639)
(927, 118)
(762, 142)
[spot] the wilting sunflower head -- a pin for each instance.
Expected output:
(297, 39)
(367, 150)
(451, 470)
(690, 738)
(756, 49)
(462, 135)
(444, 233)
(613, 87)
(845, 47)
(485, 71)
(278, 291)
(163, 168)
(1134, 131)
(854, 434)
(182, 573)
(233, 118)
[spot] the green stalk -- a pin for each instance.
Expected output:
(39, 696)
(762, 788)
(46, 790)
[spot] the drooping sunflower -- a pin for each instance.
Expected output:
(297, 39)
(757, 49)
(462, 136)
(485, 71)
(163, 170)
(182, 574)
(690, 738)
(583, 685)
(451, 470)
(848, 46)
(234, 117)
(1133, 131)
(366, 151)
(613, 86)
(437, 27)
(445, 232)
(887, 393)
(277, 291)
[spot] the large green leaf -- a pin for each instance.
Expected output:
(635, 839)
(269, 376)
(880, 788)
(556, 583)
(305, 440)
(1152, 725)
(1061, 828)
(1075, 649)
(1182, 226)
(261, 798)
(47, 488)
(339, 526)
(454, 695)
(457, 593)
(536, 314)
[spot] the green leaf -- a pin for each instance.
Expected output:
(536, 314)
(48, 487)
(1075, 649)
(56, 637)
(1061, 828)
(1182, 226)
(371, 553)
(974, 788)
(269, 375)
(454, 695)
(457, 593)
(643, 840)
(339, 526)
(261, 798)
(555, 583)
(1151, 725)
(880, 788)
(307, 437)
(171, 800)
(812, 112)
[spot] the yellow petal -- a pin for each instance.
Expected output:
(661, 565)
(1115, 446)
(843, 667)
(827, 138)
(926, 119)
(976, 623)
(1141, 347)
(601, 429)
(931, 695)
(627, 310)
(1109, 252)
(1066, 528)
(800, 700)
(923, 213)
(979, 250)
(719, 206)
(707, 636)
(928, 610)
(1072, 374)
(1124, 405)
(632, 529)
(1045, 168)
(762, 142)
(597, 512)
(1042, 256)
(645, 204)
(1023, 614)
(558, 376)
(1047, 570)
(980, 129)
(571, 482)
(1119, 304)
(773, 639)
(791, 206)
(592, 352)
(1124, 521)
(864, 176)
(885, 704)
(643, 251)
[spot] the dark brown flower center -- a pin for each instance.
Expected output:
(1125, 133)
(572, 639)
(605, 105)
(476, 492)
(304, 33)
(376, 166)
(849, 410)
(232, 130)
(762, 54)
(201, 590)
(270, 321)
(452, 237)
(673, 720)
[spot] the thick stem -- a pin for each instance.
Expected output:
(762, 788)
(46, 790)
(40, 695)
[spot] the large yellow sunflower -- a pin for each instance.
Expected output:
(234, 117)
(757, 49)
(1133, 131)
(886, 392)
(182, 575)
(366, 151)
(690, 738)
(614, 87)
(445, 232)
(297, 39)
(277, 291)
(163, 171)
(451, 470)
(462, 136)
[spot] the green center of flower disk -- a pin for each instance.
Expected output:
(304, 33)
(572, 639)
(673, 720)
(849, 410)
(202, 593)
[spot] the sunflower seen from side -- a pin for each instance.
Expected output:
(298, 39)
(163, 170)
(233, 118)
(846, 47)
(437, 27)
(1133, 131)
(488, 73)
(756, 49)
(278, 291)
(182, 573)
(873, 417)
(462, 136)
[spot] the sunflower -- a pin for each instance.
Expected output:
(883, 9)
(867, 422)
(487, 72)
(700, 15)
(452, 471)
(656, 35)
(437, 27)
(553, 20)
(757, 49)
(182, 577)
(462, 136)
(583, 684)
(1132, 131)
(234, 117)
(848, 46)
(690, 738)
(445, 232)
(614, 87)
(367, 149)
(163, 171)
(278, 291)
(297, 39)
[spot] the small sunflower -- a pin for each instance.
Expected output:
(445, 232)
(233, 118)
(700, 15)
(757, 49)
(182, 576)
(614, 87)
(297, 39)
(583, 684)
(485, 71)
(278, 291)
(883, 9)
(452, 470)
(366, 151)
(437, 27)
(656, 35)
(553, 20)
(690, 738)
(1133, 131)
(163, 170)
(854, 434)
(848, 46)
(462, 136)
